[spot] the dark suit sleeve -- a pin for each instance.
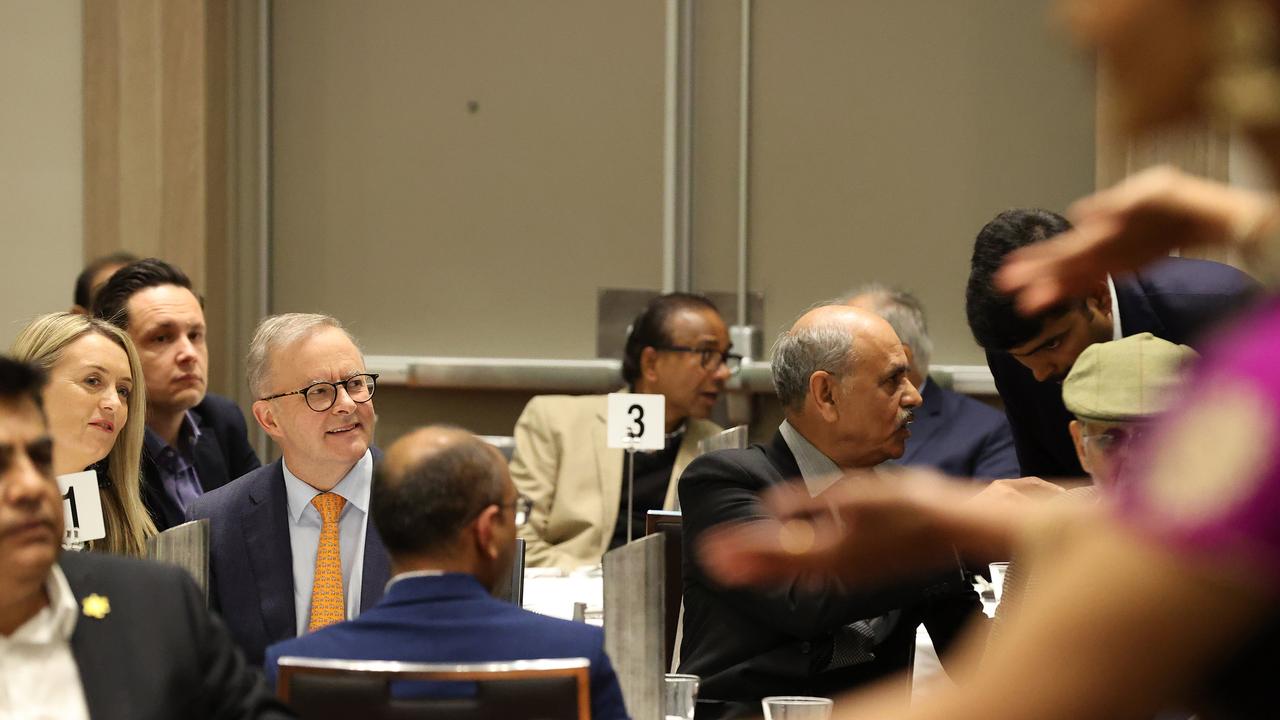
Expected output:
(997, 459)
(241, 459)
(947, 615)
(716, 489)
(230, 689)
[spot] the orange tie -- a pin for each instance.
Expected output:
(327, 603)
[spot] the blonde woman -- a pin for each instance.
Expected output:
(95, 400)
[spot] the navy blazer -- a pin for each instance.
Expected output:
(222, 454)
(453, 619)
(158, 653)
(251, 558)
(960, 436)
(1177, 299)
(748, 644)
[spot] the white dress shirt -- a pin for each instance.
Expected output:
(1116, 331)
(304, 535)
(39, 679)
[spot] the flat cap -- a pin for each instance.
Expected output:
(1127, 379)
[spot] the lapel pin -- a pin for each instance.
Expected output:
(96, 606)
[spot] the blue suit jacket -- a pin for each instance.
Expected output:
(960, 436)
(251, 559)
(1175, 299)
(453, 619)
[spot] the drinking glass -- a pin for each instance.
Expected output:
(681, 694)
(796, 707)
(997, 578)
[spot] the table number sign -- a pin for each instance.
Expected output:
(81, 508)
(637, 421)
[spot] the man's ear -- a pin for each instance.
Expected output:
(823, 387)
(266, 417)
(649, 365)
(1099, 298)
(486, 535)
(1077, 437)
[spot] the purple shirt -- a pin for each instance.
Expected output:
(176, 466)
(1207, 480)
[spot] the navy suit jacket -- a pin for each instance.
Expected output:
(221, 455)
(158, 653)
(960, 436)
(1177, 299)
(251, 559)
(453, 619)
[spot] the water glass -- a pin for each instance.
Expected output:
(681, 695)
(796, 707)
(997, 578)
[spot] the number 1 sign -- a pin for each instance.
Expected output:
(81, 506)
(637, 422)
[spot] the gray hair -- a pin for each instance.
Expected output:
(277, 331)
(905, 313)
(798, 354)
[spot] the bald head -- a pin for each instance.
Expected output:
(431, 484)
(825, 339)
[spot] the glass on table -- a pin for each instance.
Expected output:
(796, 707)
(998, 570)
(681, 694)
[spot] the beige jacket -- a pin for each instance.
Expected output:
(562, 463)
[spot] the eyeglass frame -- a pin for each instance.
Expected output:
(707, 354)
(1131, 433)
(303, 392)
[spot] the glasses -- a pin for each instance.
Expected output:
(1114, 439)
(321, 396)
(711, 358)
(522, 507)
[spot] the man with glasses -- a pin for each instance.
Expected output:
(677, 347)
(291, 548)
(447, 510)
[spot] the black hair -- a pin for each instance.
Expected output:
(112, 301)
(20, 381)
(421, 508)
(995, 322)
(84, 281)
(651, 328)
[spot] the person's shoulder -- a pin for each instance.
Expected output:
(216, 409)
(578, 633)
(564, 410)
(972, 409)
(82, 568)
(222, 499)
(1194, 275)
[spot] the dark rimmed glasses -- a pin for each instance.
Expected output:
(711, 358)
(321, 396)
(1114, 439)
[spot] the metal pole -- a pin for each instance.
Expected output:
(744, 144)
(684, 261)
(670, 180)
(631, 490)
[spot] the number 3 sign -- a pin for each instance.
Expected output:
(636, 421)
(81, 506)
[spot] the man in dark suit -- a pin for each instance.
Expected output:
(94, 635)
(952, 432)
(291, 546)
(448, 511)
(1176, 300)
(195, 441)
(841, 374)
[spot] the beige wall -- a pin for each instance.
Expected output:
(41, 160)
(885, 135)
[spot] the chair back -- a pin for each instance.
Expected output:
(735, 438)
(668, 523)
(511, 587)
(187, 546)
(319, 689)
(633, 623)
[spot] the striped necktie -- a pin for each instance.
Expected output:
(327, 603)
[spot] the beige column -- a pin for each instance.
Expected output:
(156, 137)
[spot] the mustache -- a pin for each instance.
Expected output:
(905, 418)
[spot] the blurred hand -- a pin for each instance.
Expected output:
(867, 528)
(1127, 227)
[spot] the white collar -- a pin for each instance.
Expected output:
(1116, 331)
(818, 471)
(354, 487)
(57, 620)
(412, 574)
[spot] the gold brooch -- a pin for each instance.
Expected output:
(96, 606)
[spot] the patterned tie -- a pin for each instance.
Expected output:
(327, 603)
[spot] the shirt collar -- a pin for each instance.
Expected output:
(56, 621)
(412, 574)
(189, 429)
(819, 471)
(354, 487)
(1116, 331)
